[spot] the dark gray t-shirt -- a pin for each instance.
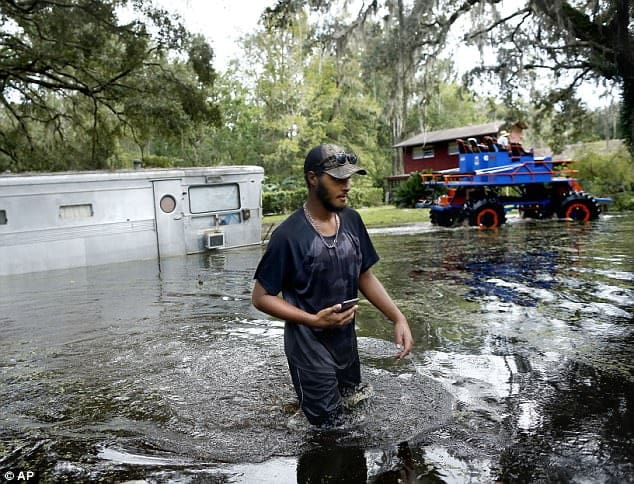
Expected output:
(312, 277)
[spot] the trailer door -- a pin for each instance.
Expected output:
(169, 211)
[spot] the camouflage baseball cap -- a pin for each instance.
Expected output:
(332, 159)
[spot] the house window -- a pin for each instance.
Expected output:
(419, 152)
(83, 210)
(3, 217)
(214, 198)
(453, 148)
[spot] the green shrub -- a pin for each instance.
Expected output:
(365, 197)
(282, 201)
(285, 201)
(623, 201)
(412, 190)
(605, 172)
(157, 161)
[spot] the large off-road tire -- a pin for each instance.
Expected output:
(579, 207)
(487, 214)
(445, 218)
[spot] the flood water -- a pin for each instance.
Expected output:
(522, 371)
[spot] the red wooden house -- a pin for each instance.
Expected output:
(437, 150)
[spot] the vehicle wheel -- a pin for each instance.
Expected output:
(444, 218)
(487, 214)
(579, 207)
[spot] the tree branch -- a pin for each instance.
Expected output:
(493, 26)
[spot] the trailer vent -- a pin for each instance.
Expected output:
(214, 240)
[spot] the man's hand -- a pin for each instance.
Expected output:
(332, 317)
(403, 338)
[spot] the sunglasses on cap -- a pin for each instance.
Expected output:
(338, 159)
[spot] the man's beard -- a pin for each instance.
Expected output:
(322, 196)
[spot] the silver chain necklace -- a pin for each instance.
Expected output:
(316, 227)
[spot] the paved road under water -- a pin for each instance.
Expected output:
(523, 369)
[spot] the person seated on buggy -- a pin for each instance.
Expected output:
(515, 140)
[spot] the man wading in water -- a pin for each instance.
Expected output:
(319, 257)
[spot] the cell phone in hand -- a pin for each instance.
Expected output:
(349, 303)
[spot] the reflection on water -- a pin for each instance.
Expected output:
(522, 369)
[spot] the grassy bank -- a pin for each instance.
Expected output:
(384, 216)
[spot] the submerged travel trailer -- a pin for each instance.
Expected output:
(63, 220)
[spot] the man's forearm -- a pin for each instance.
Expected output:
(276, 307)
(329, 317)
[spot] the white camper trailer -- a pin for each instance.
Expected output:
(63, 220)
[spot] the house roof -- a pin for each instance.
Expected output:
(451, 134)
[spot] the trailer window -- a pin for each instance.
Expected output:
(3, 217)
(76, 211)
(214, 198)
(168, 204)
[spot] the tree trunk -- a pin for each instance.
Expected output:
(399, 115)
(627, 113)
(625, 68)
(397, 158)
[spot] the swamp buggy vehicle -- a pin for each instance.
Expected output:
(490, 181)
